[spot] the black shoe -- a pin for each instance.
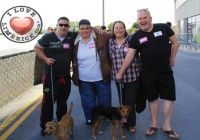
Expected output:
(43, 133)
(88, 123)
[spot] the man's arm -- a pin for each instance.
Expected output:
(175, 46)
(128, 59)
(39, 51)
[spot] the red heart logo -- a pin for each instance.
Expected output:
(21, 26)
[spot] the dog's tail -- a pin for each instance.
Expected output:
(70, 108)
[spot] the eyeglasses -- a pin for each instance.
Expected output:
(143, 9)
(61, 25)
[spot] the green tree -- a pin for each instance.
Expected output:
(97, 26)
(41, 32)
(110, 26)
(73, 26)
(130, 31)
(135, 25)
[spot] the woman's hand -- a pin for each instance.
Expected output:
(118, 76)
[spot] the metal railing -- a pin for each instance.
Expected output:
(189, 40)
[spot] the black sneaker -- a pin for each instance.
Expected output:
(89, 122)
(42, 132)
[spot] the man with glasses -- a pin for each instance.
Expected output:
(152, 41)
(57, 55)
(58, 48)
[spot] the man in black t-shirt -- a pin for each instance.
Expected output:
(152, 41)
(57, 55)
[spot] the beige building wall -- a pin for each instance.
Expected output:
(187, 9)
(18, 72)
(175, 29)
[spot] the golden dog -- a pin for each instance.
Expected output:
(117, 115)
(60, 129)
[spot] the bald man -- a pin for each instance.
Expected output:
(152, 41)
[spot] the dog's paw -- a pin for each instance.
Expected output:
(114, 138)
(123, 137)
(100, 132)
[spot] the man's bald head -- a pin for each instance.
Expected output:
(144, 20)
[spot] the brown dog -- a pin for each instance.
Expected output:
(61, 128)
(117, 115)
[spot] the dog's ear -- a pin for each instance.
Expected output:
(129, 108)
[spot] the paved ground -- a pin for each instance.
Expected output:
(185, 119)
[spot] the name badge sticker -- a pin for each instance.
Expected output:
(125, 49)
(142, 40)
(91, 45)
(66, 46)
(159, 33)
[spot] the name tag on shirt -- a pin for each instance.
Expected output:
(125, 49)
(91, 45)
(142, 40)
(66, 45)
(159, 33)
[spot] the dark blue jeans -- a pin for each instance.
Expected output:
(93, 94)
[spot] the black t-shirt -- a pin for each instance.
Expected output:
(153, 47)
(59, 50)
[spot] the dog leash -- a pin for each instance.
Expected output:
(120, 92)
(54, 116)
(120, 82)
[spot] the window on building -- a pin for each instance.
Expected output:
(181, 30)
(193, 33)
(198, 29)
(189, 30)
(181, 27)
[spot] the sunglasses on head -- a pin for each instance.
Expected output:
(61, 25)
(143, 9)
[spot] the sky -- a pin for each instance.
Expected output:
(124, 10)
